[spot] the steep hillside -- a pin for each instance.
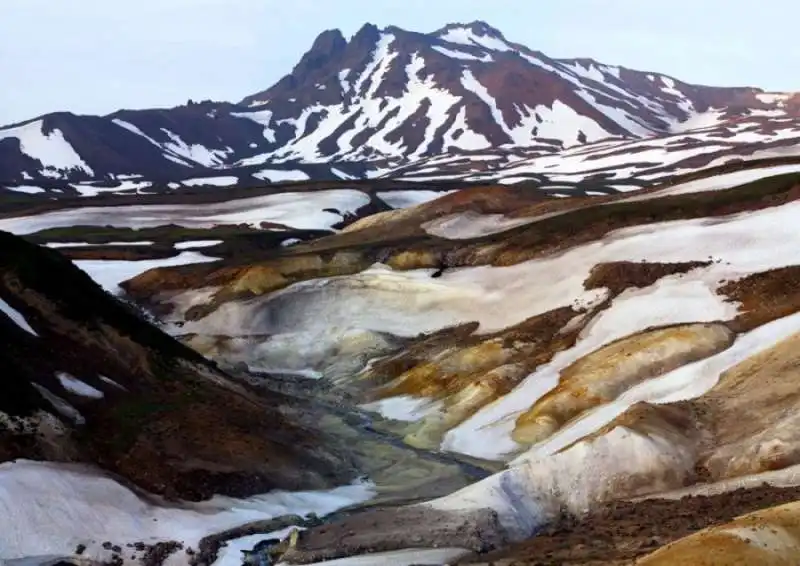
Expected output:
(384, 99)
(86, 379)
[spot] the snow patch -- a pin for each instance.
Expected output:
(196, 244)
(281, 175)
(78, 387)
(28, 189)
(472, 224)
(54, 152)
(461, 55)
(225, 181)
(110, 273)
(408, 198)
(49, 509)
(88, 244)
(16, 317)
(403, 408)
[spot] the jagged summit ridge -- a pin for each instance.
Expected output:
(465, 87)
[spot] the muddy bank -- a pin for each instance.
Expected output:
(623, 531)
(382, 530)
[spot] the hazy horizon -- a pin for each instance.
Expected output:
(94, 57)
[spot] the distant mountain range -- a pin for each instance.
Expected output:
(383, 102)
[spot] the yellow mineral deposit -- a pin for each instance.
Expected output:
(450, 372)
(272, 276)
(258, 279)
(464, 403)
(380, 219)
(604, 374)
(414, 259)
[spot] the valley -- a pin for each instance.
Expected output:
(429, 299)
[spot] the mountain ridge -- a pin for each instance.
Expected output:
(384, 98)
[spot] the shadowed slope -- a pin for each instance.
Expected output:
(87, 379)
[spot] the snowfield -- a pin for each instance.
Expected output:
(110, 273)
(721, 182)
(296, 210)
(51, 509)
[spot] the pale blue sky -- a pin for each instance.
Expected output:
(94, 56)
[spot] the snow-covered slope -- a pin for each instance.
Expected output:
(53, 509)
(623, 165)
(382, 99)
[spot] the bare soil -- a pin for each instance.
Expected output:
(624, 531)
(764, 296)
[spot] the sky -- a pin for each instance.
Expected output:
(95, 56)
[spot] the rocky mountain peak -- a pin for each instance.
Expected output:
(477, 27)
(367, 35)
(328, 43)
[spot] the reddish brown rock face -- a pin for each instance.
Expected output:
(515, 81)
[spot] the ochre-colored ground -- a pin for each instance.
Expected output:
(624, 531)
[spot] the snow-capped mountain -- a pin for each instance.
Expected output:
(405, 95)
(383, 99)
